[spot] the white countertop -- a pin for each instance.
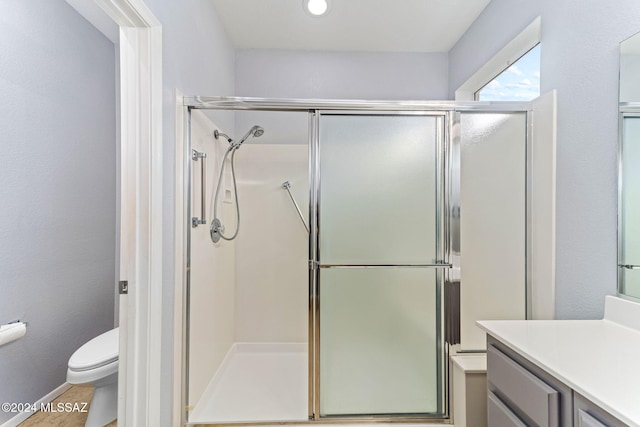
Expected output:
(600, 359)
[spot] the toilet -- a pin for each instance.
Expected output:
(96, 363)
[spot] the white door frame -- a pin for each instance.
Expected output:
(140, 43)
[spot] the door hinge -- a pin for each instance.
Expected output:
(123, 285)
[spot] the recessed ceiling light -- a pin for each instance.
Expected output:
(316, 7)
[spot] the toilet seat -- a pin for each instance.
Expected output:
(92, 375)
(101, 351)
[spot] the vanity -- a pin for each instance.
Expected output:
(562, 373)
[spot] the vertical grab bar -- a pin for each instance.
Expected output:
(195, 155)
(287, 186)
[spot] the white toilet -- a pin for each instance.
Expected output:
(96, 363)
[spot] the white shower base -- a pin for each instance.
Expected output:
(257, 382)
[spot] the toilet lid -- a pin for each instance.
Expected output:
(100, 351)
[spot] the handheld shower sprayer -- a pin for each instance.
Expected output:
(217, 229)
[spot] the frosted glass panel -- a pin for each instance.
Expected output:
(630, 205)
(631, 283)
(631, 191)
(492, 221)
(379, 352)
(378, 196)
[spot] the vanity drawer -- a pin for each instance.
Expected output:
(500, 415)
(525, 394)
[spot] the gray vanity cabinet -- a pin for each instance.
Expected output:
(520, 394)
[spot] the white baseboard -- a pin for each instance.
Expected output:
(22, 416)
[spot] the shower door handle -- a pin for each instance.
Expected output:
(195, 155)
(436, 265)
(629, 266)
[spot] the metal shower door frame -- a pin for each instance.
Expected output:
(626, 111)
(443, 245)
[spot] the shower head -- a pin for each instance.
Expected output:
(256, 132)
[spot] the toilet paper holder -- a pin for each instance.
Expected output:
(12, 331)
(18, 321)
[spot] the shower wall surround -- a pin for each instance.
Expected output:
(212, 267)
(272, 247)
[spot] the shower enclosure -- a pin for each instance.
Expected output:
(354, 318)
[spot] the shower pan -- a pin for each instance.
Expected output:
(381, 257)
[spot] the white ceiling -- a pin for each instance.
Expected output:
(350, 25)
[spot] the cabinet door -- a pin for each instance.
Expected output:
(588, 414)
(586, 420)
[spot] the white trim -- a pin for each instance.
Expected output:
(22, 416)
(139, 388)
(179, 260)
(129, 13)
(513, 51)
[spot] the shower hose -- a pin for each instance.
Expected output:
(216, 229)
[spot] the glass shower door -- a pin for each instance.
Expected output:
(380, 257)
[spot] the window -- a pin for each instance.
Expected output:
(525, 43)
(519, 82)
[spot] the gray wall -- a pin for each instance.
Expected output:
(340, 75)
(57, 189)
(580, 59)
(198, 59)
